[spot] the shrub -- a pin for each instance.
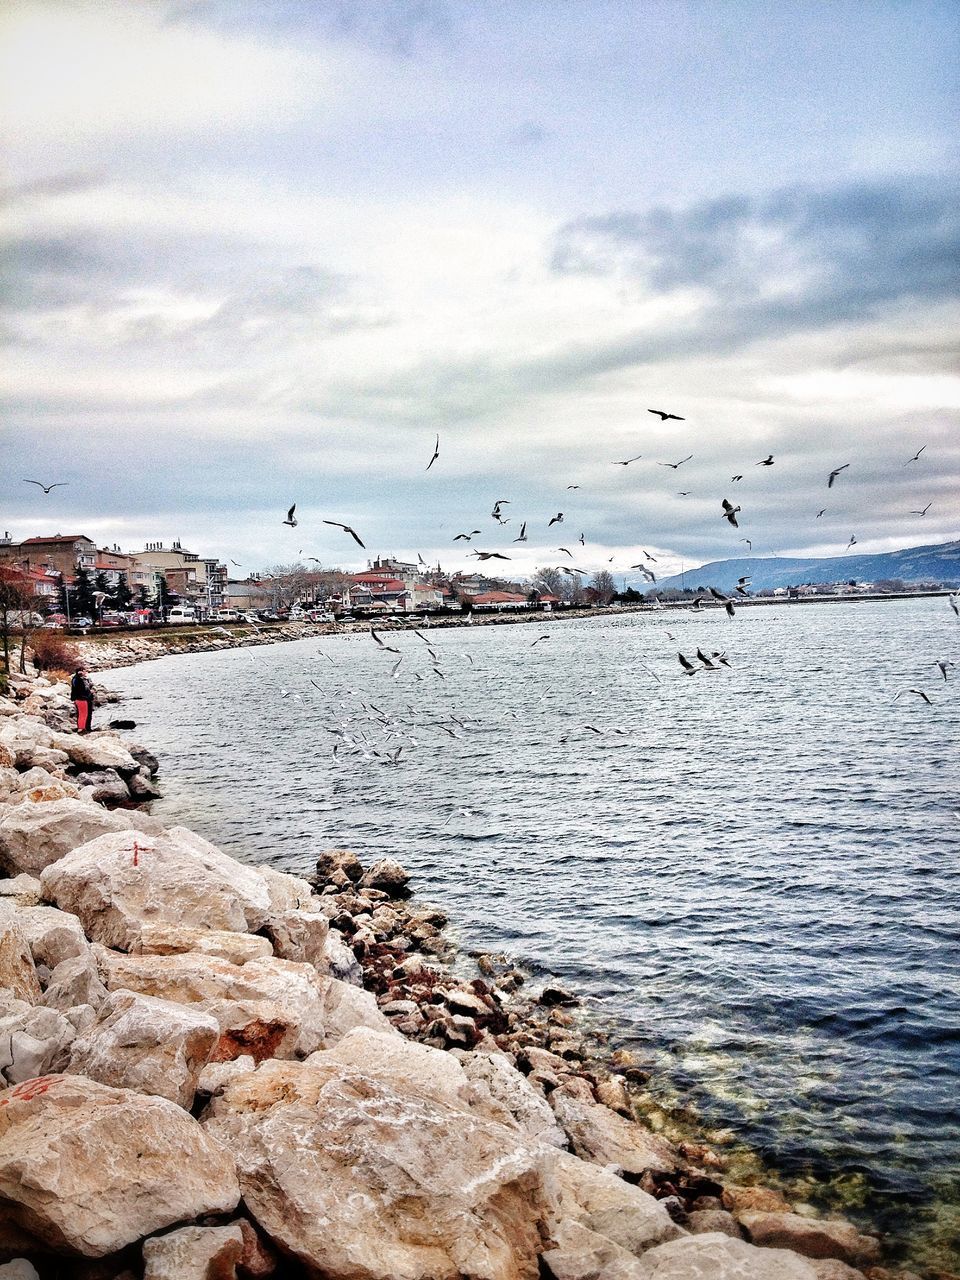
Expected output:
(52, 652)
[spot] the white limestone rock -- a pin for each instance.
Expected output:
(171, 940)
(299, 935)
(611, 1207)
(89, 1169)
(75, 981)
(118, 883)
(715, 1256)
(32, 836)
(813, 1237)
(340, 961)
(34, 1041)
(215, 1076)
(101, 749)
(153, 1046)
(51, 935)
(596, 1133)
(360, 1178)
(20, 891)
(194, 1253)
(582, 1254)
(18, 1269)
(18, 973)
(513, 1098)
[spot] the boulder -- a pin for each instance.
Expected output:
(105, 786)
(401, 1063)
(812, 1237)
(596, 1133)
(20, 891)
(18, 1269)
(834, 1269)
(286, 892)
(388, 876)
(75, 981)
(144, 758)
(702, 1221)
(338, 862)
(171, 939)
(89, 1169)
(215, 1076)
(737, 1197)
(614, 1209)
(194, 1253)
(119, 882)
(299, 935)
(98, 750)
(32, 836)
(153, 1046)
(51, 935)
(142, 787)
(361, 1178)
(719, 1257)
(582, 1254)
(18, 973)
(269, 1008)
(9, 780)
(514, 1099)
(33, 1041)
(340, 961)
(346, 1007)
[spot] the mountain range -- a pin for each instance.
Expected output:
(939, 564)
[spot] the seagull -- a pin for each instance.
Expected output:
(500, 502)
(834, 474)
(725, 600)
(647, 573)
(628, 461)
(944, 665)
(687, 665)
(684, 493)
(375, 637)
(766, 462)
(649, 556)
(733, 478)
(915, 456)
(581, 541)
(730, 513)
(708, 663)
(539, 638)
(436, 454)
(952, 601)
(557, 519)
(47, 487)
(566, 552)
(573, 486)
(748, 542)
(523, 533)
(920, 693)
(572, 572)
(850, 543)
(346, 528)
(821, 512)
(674, 465)
(488, 555)
(924, 511)
(291, 519)
(238, 566)
(666, 417)
(466, 536)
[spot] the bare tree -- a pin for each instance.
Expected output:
(549, 582)
(18, 602)
(604, 586)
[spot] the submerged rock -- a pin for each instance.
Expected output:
(813, 1237)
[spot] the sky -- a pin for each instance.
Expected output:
(264, 253)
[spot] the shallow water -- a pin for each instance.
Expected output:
(756, 879)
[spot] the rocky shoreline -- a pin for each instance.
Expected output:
(212, 1069)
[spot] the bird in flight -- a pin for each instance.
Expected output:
(835, 473)
(569, 486)
(537, 641)
(924, 511)
(649, 556)
(466, 536)
(647, 573)
(952, 601)
(734, 478)
(346, 529)
(821, 512)
(628, 461)
(291, 519)
(689, 667)
(674, 465)
(566, 552)
(684, 493)
(234, 562)
(523, 533)
(851, 543)
(724, 600)
(920, 693)
(500, 502)
(915, 456)
(47, 487)
(748, 542)
(766, 462)
(488, 555)
(581, 541)
(730, 513)
(557, 519)
(666, 417)
(743, 585)
(436, 454)
(943, 665)
(375, 637)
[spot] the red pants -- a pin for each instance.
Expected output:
(84, 716)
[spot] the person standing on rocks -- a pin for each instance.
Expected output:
(81, 693)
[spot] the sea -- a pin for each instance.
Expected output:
(750, 874)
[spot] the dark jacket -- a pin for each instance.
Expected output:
(81, 690)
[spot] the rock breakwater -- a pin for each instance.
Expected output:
(213, 1069)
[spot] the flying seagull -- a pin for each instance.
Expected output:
(346, 529)
(557, 519)
(647, 573)
(566, 552)
(748, 542)
(924, 511)
(488, 555)
(539, 638)
(730, 513)
(500, 502)
(920, 693)
(675, 465)
(666, 417)
(466, 536)
(952, 601)
(47, 487)
(573, 486)
(581, 541)
(628, 461)
(944, 665)
(436, 454)
(850, 543)
(234, 562)
(375, 637)
(821, 512)
(690, 668)
(724, 600)
(915, 456)
(834, 474)
(732, 478)
(766, 462)
(291, 519)
(649, 556)
(523, 533)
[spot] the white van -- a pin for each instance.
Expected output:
(227, 615)
(182, 613)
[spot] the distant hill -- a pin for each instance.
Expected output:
(914, 564)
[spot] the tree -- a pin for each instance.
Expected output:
(17, 601)
(604, 586)
(549, 582)
(165, 597)
(81, 595)
(143, 599)
(122, 596)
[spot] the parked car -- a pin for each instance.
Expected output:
(54, 620)
(82, 621)
(320, 615)
(227, 615)
(182, 613)
(113, 620)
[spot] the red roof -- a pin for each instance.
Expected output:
(60, 537)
